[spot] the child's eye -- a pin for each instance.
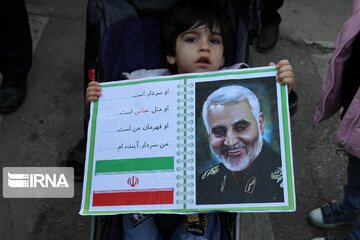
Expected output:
(190, 39)
(215, 41)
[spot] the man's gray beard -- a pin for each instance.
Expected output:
(252, 152)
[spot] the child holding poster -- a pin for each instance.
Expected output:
(197, 38)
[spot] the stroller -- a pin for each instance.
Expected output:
(119, 32)
(117, 40)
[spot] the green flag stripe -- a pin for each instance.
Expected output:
(134, 165)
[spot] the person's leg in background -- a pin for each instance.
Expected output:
(351, 199)
(15, 54)
(342, 212)
(270, 21)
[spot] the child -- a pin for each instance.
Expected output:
(341, 89)
(197, 38)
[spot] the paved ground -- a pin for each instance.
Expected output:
(50, 121)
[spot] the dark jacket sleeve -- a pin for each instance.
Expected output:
(293, 101)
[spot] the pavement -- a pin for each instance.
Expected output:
(50, 122)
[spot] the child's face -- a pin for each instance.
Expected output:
(198, 50)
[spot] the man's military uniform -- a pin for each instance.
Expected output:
(259, 183)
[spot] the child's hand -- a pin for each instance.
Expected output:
(93, 91)
(285, 73)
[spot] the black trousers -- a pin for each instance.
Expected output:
(269, 14)
(15, 42)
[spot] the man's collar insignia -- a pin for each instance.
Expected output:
(250, 185)
(278, 176)
(211, 171)
(223, 182)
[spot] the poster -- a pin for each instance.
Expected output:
(149, 149)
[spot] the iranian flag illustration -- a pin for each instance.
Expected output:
(142, 181)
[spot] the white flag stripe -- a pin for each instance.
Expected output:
(145, 181)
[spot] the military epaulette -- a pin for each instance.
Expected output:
(278, 176)
(211, 171)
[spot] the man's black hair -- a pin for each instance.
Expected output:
(189, 14)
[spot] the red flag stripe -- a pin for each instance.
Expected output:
(136, 197)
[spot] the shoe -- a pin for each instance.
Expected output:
(331, 238)
(11, 98)
(268, 37)
(330, 215)
(76, 159)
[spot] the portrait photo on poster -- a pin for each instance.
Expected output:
(238, 157)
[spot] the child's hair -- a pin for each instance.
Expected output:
(190, 14)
